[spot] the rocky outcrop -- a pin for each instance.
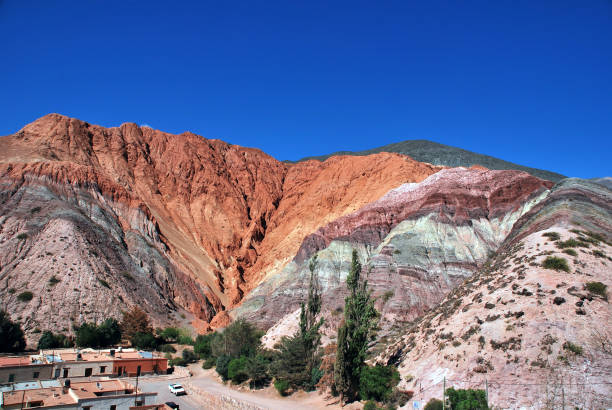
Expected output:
(205, 220)
(418, 242)
(540, 337)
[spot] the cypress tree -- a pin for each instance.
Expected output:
(355, 333)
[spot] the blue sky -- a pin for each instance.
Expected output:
(526, 81)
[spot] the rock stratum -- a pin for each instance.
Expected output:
(538, 337)
(94, 219)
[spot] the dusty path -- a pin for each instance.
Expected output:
(207, 382)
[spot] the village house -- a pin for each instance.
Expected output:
(71, 363)
(90, 395)
(23, 368)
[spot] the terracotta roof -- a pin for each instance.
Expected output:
(15, 361)
(45, 397)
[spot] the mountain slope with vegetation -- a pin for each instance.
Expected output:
(444, 155)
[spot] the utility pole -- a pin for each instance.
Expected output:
(444, 394)
(563, 398)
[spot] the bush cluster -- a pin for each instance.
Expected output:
(556, 263)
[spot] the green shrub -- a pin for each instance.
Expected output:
(468, 399)
(49, 340)
(282, 386)
(202, 345)
(570, 252)
(434, 404)
(189, 356)
(185, 340)
(572, 243)
(166, 348)
(12, 290)
(554, 236)
(91, 335)
(237, 370)
(22, 236)
(599, 253)
(222, 366)
(177, 361)
(170, 333)
(11, 335)
(53, 280)
(25, 296)
(370, 405)
(35, 210)
(377, 382)
(556, 263)
(144, 340)
(258, 371)
(597, 288)
(209, 363)
(572, 348)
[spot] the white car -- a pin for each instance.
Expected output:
(177, 389)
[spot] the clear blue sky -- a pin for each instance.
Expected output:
(526, 81)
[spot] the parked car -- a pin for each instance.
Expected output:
(177, 389)
(172, 405)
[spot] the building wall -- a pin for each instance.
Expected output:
(122, 402)
(130, 366)
(25, 373)
(78, 369)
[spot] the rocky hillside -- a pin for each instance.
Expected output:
(418, 242)
(440, 154)
(95, 219)
(534, 321)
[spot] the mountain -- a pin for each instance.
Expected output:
(540, 337)
(94, 220)
(439, 154)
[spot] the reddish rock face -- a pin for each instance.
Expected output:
(222, 215)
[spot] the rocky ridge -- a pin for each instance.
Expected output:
(196, 222)
(526, 329)
(417, 242)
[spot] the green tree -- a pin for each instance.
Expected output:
(50, 340)
(222, 366)
(170, 333)
(467, 399)
(202, 345)
(434, 404)
(144, 340)
(189, 356)
(237, 370)
(298, 357)
(109, 332)
(11, 335)
(240, 338)
(354, 334)
(87, 335)
(257, 370)
(377, 382)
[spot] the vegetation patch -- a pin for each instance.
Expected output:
(104, 283)
(554, 236)
(597, 288)
(22, 236)
(555, 263)
(25, 296)
(577, 350)
(570, 252)
(53, 280)
(572, 243)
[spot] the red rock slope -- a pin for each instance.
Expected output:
(195, 221)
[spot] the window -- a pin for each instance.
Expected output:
(36, 374)
(11, 378)
(88, 372)
(102, 369)
(113, 407)
(139, 403)
(86, 407)
(66, 373)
